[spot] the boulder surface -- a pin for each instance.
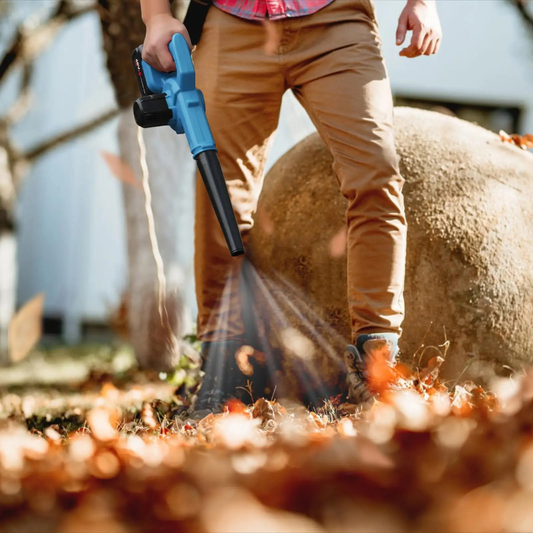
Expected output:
(469, 275)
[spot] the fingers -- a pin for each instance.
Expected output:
(423, 20)
(432, 48)
(427, 44)
(166, 59)
(413, 50)
(424, 42)
(433, 43)
(158, 37)
(158, 56)
(401, 32)
(150, 56)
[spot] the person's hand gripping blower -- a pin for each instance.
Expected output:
(171, 99)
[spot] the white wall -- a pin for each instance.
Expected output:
(71, 226)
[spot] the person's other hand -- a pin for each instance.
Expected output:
(420, 17)
(159, 32)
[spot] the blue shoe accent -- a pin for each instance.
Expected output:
(364, 348)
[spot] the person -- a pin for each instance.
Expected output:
(328, 52)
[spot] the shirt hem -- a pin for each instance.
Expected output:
(280, 16)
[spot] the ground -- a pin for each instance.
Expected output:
(89, 443)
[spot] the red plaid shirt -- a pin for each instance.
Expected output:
(271, 9)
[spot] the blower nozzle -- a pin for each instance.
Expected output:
(211, 173)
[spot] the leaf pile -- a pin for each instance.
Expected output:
(522, 141)
(422, 458)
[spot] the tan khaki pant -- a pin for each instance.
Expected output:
(332, 62)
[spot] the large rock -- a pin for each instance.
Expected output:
(470, 251)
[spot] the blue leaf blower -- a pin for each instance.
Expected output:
(171, 99)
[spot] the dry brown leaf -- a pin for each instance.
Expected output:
(381, 374)
(346, 409)
(317, 419)
(120, 169)
(263, 409)
(103, 423)
(105, 465)
(528, 140)
(25, 329)
(235, 406)
(403, 371)
(461, 405)
(119, 320)
(242, 356)
(346, 428)
(522, 141)
(109, 391)
(52, 435)
(505, 137)
(432, 369)
(148, 415)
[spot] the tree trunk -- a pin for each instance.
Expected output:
(172, 171)
(171, 168)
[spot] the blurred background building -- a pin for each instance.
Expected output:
(71, 225)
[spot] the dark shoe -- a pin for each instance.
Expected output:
(356, 358)
(223, 380)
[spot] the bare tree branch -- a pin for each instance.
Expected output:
(62, 14)
(526, 14)
(24, 100)
(16, 163)
(27, 44)
(7, 186)
(69, 135)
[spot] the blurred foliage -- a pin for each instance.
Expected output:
(121, 458)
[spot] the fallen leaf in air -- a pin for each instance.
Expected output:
(120, 169)
(25, 329)
(242, 356)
